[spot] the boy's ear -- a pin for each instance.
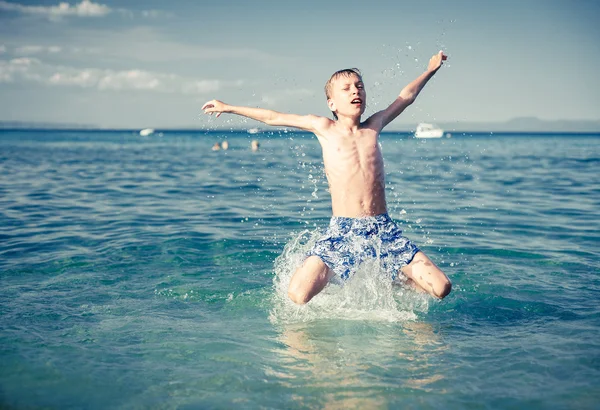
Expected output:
(331, 105)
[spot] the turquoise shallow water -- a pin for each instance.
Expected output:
(149, 273)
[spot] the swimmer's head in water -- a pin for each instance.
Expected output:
(345, 92)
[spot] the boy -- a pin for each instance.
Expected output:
(360, 227)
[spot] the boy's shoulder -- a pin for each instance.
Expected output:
(321, 125)
(322, 121)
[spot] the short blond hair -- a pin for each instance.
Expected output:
(346, 72)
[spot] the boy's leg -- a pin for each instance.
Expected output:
(309, 280)
(426, 275)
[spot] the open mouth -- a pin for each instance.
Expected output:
(357, 101)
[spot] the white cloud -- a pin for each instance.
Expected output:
(86, 8)
(22, 68)
(36, 49)
(2, 48)
(81, 78)
(33, 70)
(134, 79)
(156, 13)
(104, 80)
(28, 50)
(277, 97)
(144, 44)
(136, 46)
(208, 86)
(85, 50)
(24, 62)
(201, 87)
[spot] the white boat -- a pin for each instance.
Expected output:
(146, 131)
(253, 131)
(425, 130)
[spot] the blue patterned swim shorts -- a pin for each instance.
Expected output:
(348, 242)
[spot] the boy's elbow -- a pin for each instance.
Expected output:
(270, 121)
(273, 119)
(408, 98)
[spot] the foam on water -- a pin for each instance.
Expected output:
(367, 295)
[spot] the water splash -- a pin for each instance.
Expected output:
(368, 295)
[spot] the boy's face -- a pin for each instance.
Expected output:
(348, 96)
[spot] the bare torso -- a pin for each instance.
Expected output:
(354, 169)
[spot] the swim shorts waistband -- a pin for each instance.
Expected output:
(381, 218)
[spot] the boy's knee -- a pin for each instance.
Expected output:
(443, 289)
(297, 295)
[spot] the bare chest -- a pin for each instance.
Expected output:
(350, 153)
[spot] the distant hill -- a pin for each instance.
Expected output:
(524, 124)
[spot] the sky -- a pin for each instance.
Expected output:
(132, 64)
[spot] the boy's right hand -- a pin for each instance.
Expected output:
(214, 106)
(436, 61)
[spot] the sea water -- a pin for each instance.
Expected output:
(151, 272)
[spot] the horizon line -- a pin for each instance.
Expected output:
(278, 131)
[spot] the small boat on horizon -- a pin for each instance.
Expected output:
(425, 130)
(146, 131)
(253, 131)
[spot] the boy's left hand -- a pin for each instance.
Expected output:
(214, 106)
(436, 61)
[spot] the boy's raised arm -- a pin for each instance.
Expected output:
(408, 94)
(311, 123)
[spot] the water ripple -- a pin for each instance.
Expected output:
(155, 269)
